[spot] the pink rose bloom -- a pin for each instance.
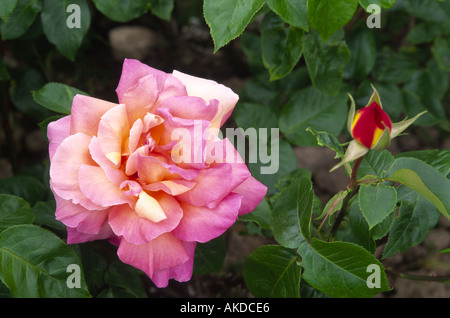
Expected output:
(116, 171)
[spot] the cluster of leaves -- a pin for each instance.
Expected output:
(305, 56)
(398, 200)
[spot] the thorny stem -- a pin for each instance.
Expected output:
(353, 187)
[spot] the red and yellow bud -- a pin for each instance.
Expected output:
(371, 129)
(371, 125)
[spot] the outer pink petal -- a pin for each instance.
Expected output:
(86, 113)
(96, 186)
(201, 224)
(137, 230)
(75, 216)
(74, 236)
(72, 153)
(208, 90)
(253, 192)
(57, 131)
(161, 253)
(181, 273)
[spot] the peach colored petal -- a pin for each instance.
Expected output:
(149, 208)
(173, 187)
(138, 230)
(86, 113)
(72, 153)
(96, 186)
(208, 90)
(113, 132)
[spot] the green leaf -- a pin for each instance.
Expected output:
(227, 19)
(308, 108)
(209, 256)
(56, 97)
(340, 269)
(45, 215)
(291, 207)
(254, 116)
(260, 215)
(441, 51)
(30, 79)
(437, 158)
(14, 210)
(375, 163)
(417, 217)
(55, 20)
(363, 54)
(6, 8)
(382, 3)
(124, 11)
(287, 162)
(281, 47)
(293, 12)
(162, 8)
(272, 271)
(21, 19)
(424, 179)
(328, 140)
(376, 202)
(360, 228)
(127, 277)
(334, 204)
(25, 187)
(393, 67)
(34, 261)
(325, 62)
(328, 16)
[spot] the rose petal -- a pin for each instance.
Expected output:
(113, 132)
(96, 186)
(161, 253)
(181, 273)
(72, 153)
(57, 131)
(138, 230)
(201, 224)
(209, 90)
(86, 113)
(253, 192)
(75, 216)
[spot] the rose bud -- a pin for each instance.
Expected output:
(371, 128)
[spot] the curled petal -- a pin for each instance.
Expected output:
(209, 90)
(138, 230)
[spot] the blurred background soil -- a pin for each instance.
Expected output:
(188, 47)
